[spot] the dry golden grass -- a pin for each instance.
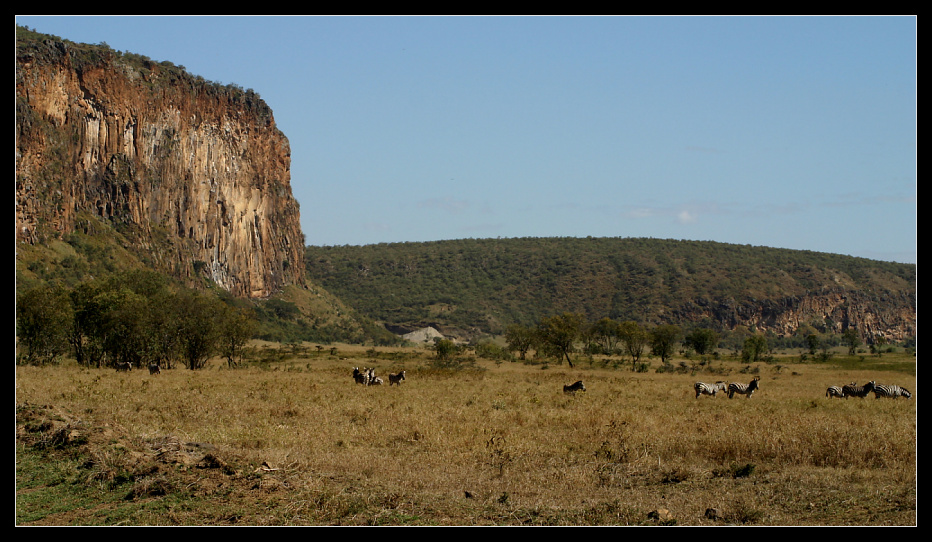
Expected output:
(504, 445)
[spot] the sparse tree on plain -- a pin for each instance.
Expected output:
(607, 332)
(635, 340)
(520, 339)
(851, 339)
(236, 328)
(755, 347)
(663, 340)
(702, 340)
(560, 332)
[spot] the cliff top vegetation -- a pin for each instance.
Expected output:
(83, 56)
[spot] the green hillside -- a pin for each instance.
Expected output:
(487, 284)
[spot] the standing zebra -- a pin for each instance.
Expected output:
(852, 390)
(361, 377)
(396, 378)
(743, 389)
(890, 390)
(574, 387)
(154, 369)
(834, 391)
(374, 380)
(710, 389)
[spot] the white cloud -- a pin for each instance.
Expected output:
(686, 217)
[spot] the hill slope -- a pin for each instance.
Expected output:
(484, 285)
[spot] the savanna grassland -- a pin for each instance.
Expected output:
(297, 442)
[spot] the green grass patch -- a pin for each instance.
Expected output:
(886, 363)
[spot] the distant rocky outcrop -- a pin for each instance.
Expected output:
(423, 335)
(196, 175)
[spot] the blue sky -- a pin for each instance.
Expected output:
(792, 132)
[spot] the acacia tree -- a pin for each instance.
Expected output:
(635, 340)
(520, 339)
(607, 332)
(198, 325)
(237, 326)
(702, 340)
(812, 340)
(850, 337)
(754, 349)
(444, 348)
(560, 332)
(663, 339)
(877, 345)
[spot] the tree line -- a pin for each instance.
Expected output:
(560, 335)
(131, 317)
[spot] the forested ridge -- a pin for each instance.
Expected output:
(488, 284)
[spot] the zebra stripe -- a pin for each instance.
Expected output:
(852, 390)
(890, 390)
(574, 387)
(361, 377)
(374, 380)
(834, 391)
(396, 378)
(703, 388)
(744, 389)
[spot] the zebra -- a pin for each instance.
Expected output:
(744, 389)
(574, 387)
(710, 389)
(154, 369)
(361, 377)
(374, 380)
(852, 390)
(396, 378)
(125, 366)
(890, 390)
(834, 391)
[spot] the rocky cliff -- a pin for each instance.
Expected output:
(888, 315)
(195, 174)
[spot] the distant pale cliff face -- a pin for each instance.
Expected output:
(195, 174)
(890, 316)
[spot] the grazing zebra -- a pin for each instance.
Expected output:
(834, 391)
(154, 369)
(574, 387)
(890, 390)
(851, 390)
(710, 389)
(743, 389)
(361, 377)
(125, 366)
(396, 378)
